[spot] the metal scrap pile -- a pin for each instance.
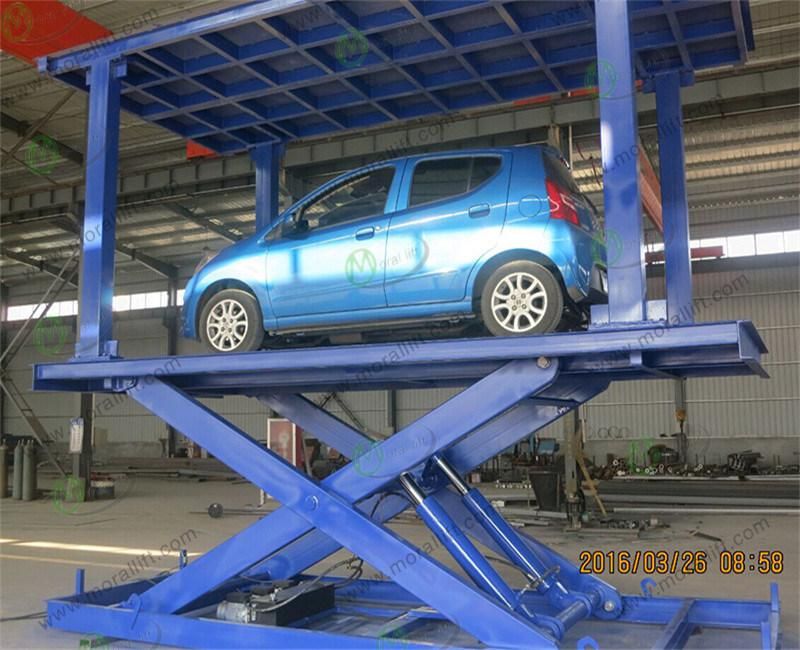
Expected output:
(663, 460)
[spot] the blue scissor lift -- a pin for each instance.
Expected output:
(257, 75)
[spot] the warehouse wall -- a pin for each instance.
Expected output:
(726, 414)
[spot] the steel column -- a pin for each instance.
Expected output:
(627, 285)
(82, 461)
(99, 222)
(671, 156)
(267, 159)
(172, 324)
(3, 346)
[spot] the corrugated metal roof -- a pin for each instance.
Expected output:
(730, 160)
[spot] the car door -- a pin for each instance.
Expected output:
(450, 212)
(334, 263)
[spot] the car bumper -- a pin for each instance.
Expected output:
(598, 285)
(187, 321)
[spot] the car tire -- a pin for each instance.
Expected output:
(521, 298)
(231, 321)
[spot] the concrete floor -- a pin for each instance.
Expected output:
(43, 542)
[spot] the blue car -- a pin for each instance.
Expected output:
(491, 239)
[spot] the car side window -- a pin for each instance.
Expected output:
(483, 168)
(443, 178)
(357, 198)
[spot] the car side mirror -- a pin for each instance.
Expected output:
(287, 227)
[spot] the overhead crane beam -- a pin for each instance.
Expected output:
(154, 264)
(40, 265)
(203, 222)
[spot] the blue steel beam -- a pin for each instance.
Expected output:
(157, 630)
(267, 158)
(329, 508)
(334, 432)
(99, 221)
(483, 443)
(678, 630)
(160, 36)
(499, 434)
(627, 286)
(401, 452)
(126, 622)
(374, 47)
(311, 548)
(231, 73)
(354, 366)
(672, 164)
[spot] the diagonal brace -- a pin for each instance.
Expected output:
(326, 509)
(499, 391)
(482, 443)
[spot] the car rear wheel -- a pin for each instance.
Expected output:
(231, 322)
(521, 298)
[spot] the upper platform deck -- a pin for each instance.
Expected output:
(287, 69)
(729, 348)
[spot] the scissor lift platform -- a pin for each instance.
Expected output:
(257, 75)
(512, 386)
(721, 348)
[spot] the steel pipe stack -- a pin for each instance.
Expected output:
(3, 472)
(29, 472)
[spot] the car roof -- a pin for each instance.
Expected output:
(486, 151)
(435, 154)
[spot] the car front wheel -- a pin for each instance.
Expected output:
(231, 322)
(521, 298)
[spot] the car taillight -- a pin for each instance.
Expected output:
(561, 206)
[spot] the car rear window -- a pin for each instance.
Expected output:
(443, 178)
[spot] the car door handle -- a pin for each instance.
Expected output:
(367, 233)
(480, 210)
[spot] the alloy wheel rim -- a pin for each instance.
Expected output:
(519, 302)
(226, 325)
